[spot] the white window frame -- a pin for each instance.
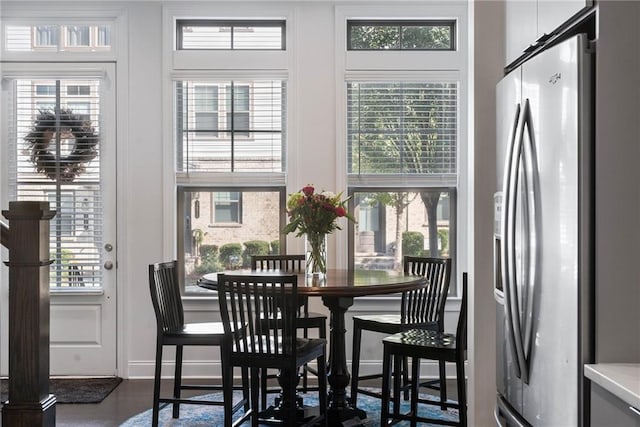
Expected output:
(215, 65)
(406, 65)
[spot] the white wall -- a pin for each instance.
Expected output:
(617, 127)
(488, 53)
(142, 238)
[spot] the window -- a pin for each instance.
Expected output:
(226, 207)
(237, 108)
(57, 38)
(211, 237)
(230, 35)
(398, 132)
(206, 110)
(242, 132)
(79, 90)
(46, 36)
(78, 35)
(230, 139)
(400, 35)
(103, 36)
(402, 127)
(82, 109)
(402, 130)
(77, 229)
(412, 217)
(46, 90)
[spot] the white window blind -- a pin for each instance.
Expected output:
(76, 236)
(230, 34)
(402, 128)
(230, 126)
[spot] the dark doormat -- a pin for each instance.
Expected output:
(75, 390)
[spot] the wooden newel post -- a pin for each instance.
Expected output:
(29, 403)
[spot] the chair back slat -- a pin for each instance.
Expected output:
(426, 305)
(259, 312)
(285, 263)
(165, 295)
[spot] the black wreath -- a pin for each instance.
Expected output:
(66, 168)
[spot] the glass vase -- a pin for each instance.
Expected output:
(316, 255)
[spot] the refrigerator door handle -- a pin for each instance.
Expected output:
(510, 243)
(505, 265)
(530, 167)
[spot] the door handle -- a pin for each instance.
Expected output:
(505, 264)
(531, 234)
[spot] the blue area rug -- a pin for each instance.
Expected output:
(200, 416)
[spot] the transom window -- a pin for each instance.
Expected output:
(400, 35)
(230, 34)
(57, 38)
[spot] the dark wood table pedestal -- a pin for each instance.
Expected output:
(340, 410)
(278, 412)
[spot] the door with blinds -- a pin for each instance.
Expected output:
(59, 144)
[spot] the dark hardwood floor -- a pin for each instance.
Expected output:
(128, 399)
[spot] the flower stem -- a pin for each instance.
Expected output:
(316, 259)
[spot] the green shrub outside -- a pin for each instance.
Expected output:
(209, 261)
(412, 243)
(254, 247)
(231, 255)
(275, 247)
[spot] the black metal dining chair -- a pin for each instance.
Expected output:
(306, 319)
(173, 331)
(419, 344)
(260, 317)
(420, 308)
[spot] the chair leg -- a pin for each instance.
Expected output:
(255, 388)
(227, 392)
(397, 383)
(322, 389)
(462, 392)
(245, 388)
(355, 362)
(156, 385)
(405, 375)
(177, 381)
(415, 380)
(263, 387)
(443, 384)
(386, 379)
(305, 376)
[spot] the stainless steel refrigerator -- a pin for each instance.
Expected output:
(543, 246)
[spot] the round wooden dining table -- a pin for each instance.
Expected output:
(338, 289)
